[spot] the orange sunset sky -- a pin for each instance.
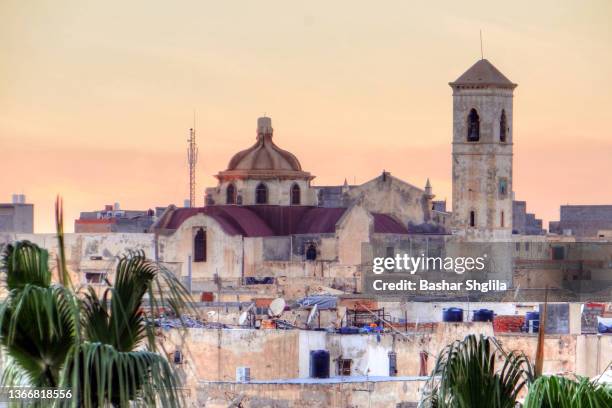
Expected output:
(96, 98)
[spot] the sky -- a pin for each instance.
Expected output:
(96, 98)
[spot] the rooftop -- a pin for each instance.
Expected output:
(483, 74)
(273, 220)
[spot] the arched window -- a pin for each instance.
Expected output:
(311, 252)
(261, 194)
(230, 194)
(295, 195)
(473, 128)
(472, 218)
(199, 246)
(503, 126)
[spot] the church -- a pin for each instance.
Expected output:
(266, 220)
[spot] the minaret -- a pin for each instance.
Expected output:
(428, 190)
(482, 152)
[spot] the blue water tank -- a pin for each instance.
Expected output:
(319, 364)
(535, 317)
(483, 315)
(452, 314)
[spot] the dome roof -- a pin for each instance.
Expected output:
(264, 158)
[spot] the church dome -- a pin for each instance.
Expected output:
(264, 159)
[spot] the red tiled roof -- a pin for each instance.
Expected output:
(385, 224)
(272, 220)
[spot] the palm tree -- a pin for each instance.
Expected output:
(465, 376)
(101, 348)
(561, 392)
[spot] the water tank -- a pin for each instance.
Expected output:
(319, 364)
(452, 314)
(483, 315)
(532, 322)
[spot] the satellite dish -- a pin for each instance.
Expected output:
(245, 315)
(211, 314)
(243, 318)
(312, 314)
(276, 307)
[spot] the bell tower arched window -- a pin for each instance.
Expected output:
(503, 126)
(296, 195)
(230, 194)
(199, 246)
(261, 194)
(473, 126)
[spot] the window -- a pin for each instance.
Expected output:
(472, 219)
(95, 277)
(558, 253)
(390, 252)
(261, 194)
(503, 127)
(473, 128)
(503, 187)
(295, 195)
(230, 194)
(502, 219)
(199, 246)
(311, 252)
(344, 366)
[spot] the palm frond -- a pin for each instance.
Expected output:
(94, 344)
(126, 322)
(98, 374)
(561, 392)
(38, 326)
(465, 376)
(25, 263)
(62, 269)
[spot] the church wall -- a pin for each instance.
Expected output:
(223, 253)
(389, 195)
(353, 231)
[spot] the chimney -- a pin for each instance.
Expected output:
(117, 207)
(15, 198)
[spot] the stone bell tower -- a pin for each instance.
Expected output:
(482, 152)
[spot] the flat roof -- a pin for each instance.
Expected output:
(330, 380)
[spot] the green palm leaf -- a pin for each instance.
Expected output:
(561, 392)
(102, 347)
(465, 376)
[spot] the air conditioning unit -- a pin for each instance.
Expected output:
(243, 374)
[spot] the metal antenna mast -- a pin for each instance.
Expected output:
(192, 159)
(481, 47)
